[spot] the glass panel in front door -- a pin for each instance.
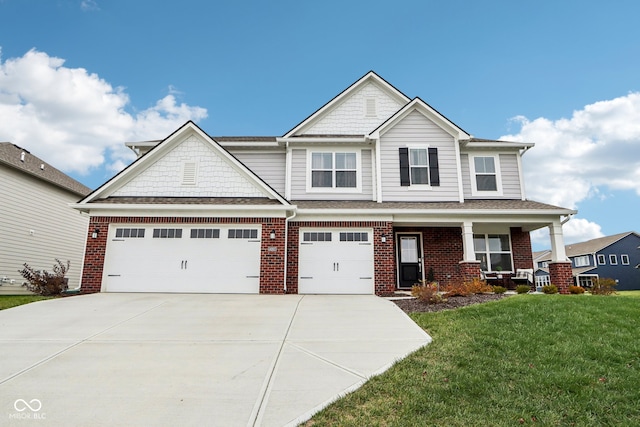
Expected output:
(408, 249)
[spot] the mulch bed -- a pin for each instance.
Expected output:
(414, 305)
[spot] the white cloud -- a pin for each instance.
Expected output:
(574, 231)
(88, 5)
(75, 120)
(595, 151)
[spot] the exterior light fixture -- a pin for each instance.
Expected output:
(94, 235)
(272, 235)
(383, 238)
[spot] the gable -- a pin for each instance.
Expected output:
(360, 113)
(355, 111)
(191, 169)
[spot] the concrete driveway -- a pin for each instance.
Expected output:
(176, 359)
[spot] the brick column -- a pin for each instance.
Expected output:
(561, 276)
(272, 257)
(470, 270)
(94, 256)
(384, 259)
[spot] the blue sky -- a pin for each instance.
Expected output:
(79, 77)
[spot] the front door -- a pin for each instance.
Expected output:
(409, 260)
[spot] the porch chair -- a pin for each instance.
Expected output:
(523, 276)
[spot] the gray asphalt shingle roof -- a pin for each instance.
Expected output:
(10, 155)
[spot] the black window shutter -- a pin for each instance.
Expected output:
(434, 170)
(404, 167)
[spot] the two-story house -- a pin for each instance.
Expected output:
(364, 196)
(36, 224)
(616, 257)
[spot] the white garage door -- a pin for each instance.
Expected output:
(183, 258)
(337, 261)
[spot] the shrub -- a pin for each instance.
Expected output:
(523, 289)
(428, 293)
(465, 288)
(46, 283)
(576, 290)
(603, 286)
(550, 289)
(478, 286)
(499, 289)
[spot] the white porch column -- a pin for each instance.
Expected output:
(557, 242)
(467, 242)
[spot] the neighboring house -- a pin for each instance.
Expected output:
(616, 257)
(364, 196)
(36, 223)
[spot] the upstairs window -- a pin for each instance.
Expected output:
(625, 259)
(602, 260)
(485, 175)
(419, 166)
(334, 170)
(613, 259)
(581, 261)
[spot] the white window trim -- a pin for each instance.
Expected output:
(356, 189)
(419, 187)
(488, 252)
(613, 259)
(472, 173)
(602, 259)
(624, 257)
(582, 258)
(543, 280)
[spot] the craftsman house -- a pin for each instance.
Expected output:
(364, 196)
(616, 257)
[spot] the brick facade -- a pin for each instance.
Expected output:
(561, 275)
(442, 246)
(271, 252)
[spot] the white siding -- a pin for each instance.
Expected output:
(271, 167)
(466, 175)
(509, 173)
(299, 178)
(349, 117)
(215, 177)
(416, 129)
(37, 226)
(510, 176)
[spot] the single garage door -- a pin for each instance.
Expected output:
(170, 258)
(335, 261)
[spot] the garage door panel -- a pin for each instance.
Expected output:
(336, 265)
(210, 263)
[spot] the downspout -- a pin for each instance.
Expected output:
(564, 221)
(286, 246)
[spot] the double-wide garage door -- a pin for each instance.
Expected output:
(183, 258)
(335, 261)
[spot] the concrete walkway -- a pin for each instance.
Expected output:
(176, 359)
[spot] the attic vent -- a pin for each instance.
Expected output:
(370, 107)
(189, 173)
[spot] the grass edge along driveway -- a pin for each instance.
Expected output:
(9, 301)
(524, 360)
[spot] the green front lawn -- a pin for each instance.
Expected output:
(8, 301)
(527, 359)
